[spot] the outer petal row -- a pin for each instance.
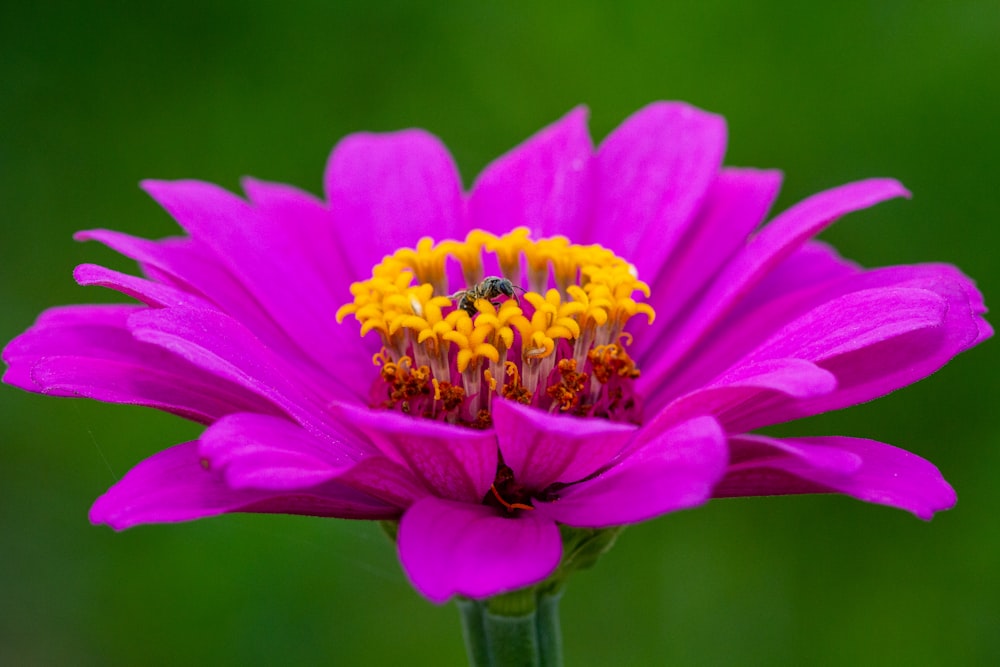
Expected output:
(174, 485)
(776, 242)
(89, 351)
(864, 469)
(874, 331)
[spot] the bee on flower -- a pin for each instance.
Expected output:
(488, 290)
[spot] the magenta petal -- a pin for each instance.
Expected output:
(804, 280)
(389, 190)
(777, 241)
(222, 346)
(88, 351)
(543, 449)
(174, 485)
(951, 322)
(387, 480)
(170, 486)
(736, 203)
(312, 232)
(456, 462)
(191, 267)
(810, 216)
(855, 321)
(653, 172)
(186, 265)
(263, 452)
(813, 265)
(266, 453)
(273, 258)
(67, 331)
(750, 390)
(542, 184)
(147, 291)
(672, 470)
(864, 469)
(867, 339)
(868, 373)
(449, 548)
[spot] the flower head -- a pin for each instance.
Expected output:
(586, 338)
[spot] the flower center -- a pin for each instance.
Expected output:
(458, 328)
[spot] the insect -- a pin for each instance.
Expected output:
(490, 288)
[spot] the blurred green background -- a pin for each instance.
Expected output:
(95, 96)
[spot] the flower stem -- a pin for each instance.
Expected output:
(520, 629)
(474, 632)
(549, 630)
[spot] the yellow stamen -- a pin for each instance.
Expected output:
(578, 302)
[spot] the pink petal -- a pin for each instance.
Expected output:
(455, 462)
(871, 363)
(312, 234)
(542, 184)
(855, 321)
(188, 266)
(777, 241)
(890, 320)
(264, 452)
(173, 485)
(542, 449)
(449, 548)
(387, 480)
(791, 229)
(815, 264)
(386, 191)
(151, 293)
(88, 351)
(736, 203)
(672, 470)
(864, 469)
(653, 171)
(272, 257)
(876, 370)
(223, 347)
(804, 280)
(749, 390)
(867, 372)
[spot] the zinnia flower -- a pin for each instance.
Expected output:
(587, 338)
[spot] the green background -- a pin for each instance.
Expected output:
(96, 96)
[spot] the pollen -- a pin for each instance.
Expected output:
(542, 322)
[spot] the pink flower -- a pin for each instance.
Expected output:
(600, 386)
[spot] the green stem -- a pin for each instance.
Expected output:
(549, 630)
(474, 632)
(520, 629)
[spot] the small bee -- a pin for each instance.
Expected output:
(490, 288)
